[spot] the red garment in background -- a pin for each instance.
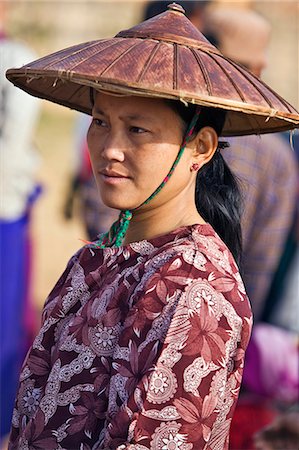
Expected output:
(251, 415)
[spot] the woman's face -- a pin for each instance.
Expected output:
(133, 142)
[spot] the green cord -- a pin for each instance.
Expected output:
(115, 236)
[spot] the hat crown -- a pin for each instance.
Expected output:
(170, 26)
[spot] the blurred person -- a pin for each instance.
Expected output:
(282, 305)
(282, 434)
(272, 363)
(266, 168)
(285, 288)
(269, 183)
(143, 337)
(18, 189)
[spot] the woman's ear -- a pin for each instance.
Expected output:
(206, 142)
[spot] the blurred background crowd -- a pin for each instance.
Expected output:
(49, 202)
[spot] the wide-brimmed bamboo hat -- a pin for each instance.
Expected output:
(163, 57)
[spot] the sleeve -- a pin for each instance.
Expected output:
(61, 286)
(188, 359)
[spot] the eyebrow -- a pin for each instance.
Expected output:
(129, 116)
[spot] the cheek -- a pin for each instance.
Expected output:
(92, 144)
(161, 156)
(182, 174)
(153, 164)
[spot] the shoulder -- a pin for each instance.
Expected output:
(197, 246)
(201, 255)
(202, 283)
(63, 281)
(204, 250)
(212, 267)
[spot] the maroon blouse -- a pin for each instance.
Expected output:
(141, 347)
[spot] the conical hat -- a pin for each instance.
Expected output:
(165, 56)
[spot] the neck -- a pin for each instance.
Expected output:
(157, 221)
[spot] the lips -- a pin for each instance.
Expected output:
(112, 177)
(113, 174)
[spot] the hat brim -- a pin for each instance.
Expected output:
(73, 91)
(163, 57)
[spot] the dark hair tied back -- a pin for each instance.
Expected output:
(217, 195)
(218, 201)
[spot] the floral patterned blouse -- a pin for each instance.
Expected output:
(141, 347)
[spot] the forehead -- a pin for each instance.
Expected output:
(148, 108)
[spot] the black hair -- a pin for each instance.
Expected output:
(157, 7)
(217, 195)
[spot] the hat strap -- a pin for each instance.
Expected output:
(115, 236)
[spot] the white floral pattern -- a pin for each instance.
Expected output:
(141, 347)
(29, 399)
(103, 340)
(162, 385)
(167, 437)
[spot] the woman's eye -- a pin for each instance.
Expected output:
(137, 130)
(99, 123)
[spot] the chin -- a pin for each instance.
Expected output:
(117, 203)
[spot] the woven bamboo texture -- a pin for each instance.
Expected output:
(164, 57)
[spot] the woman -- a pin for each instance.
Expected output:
(143, 337)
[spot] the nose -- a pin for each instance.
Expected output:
(112, 147)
